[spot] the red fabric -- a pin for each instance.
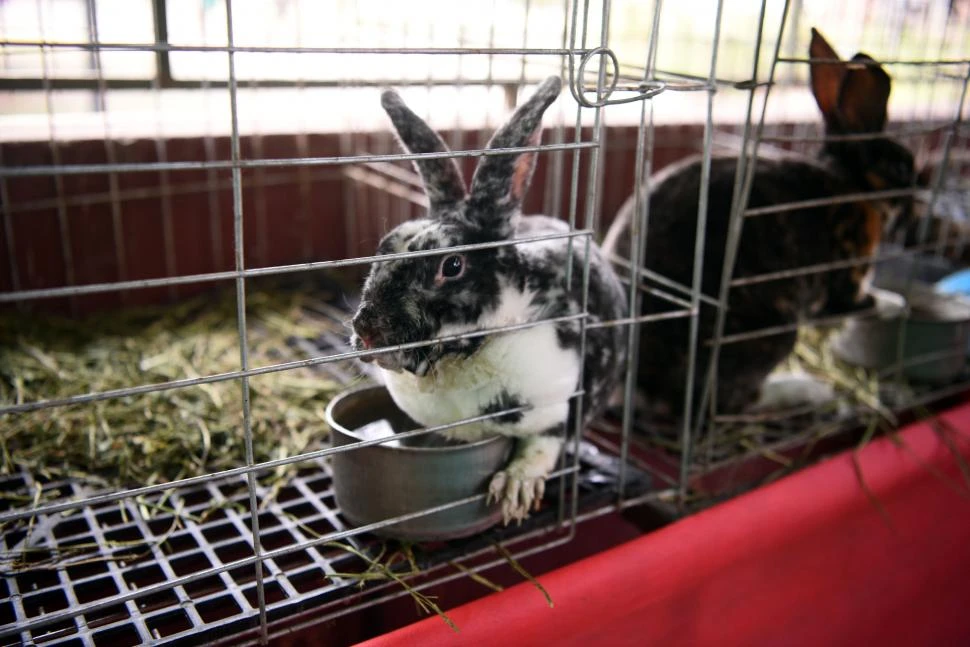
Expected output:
(807, 560)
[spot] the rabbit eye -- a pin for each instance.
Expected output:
(452, 266)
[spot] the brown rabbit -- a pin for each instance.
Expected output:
(852, 98)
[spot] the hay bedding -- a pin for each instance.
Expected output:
(162, 436)
(862, 399)
(167, 435)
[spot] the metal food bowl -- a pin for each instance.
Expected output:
(934, 324)
(923, 269)
(380, 482)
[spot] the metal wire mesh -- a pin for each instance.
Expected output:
(143, 565)
(762, 129)
(185, 572)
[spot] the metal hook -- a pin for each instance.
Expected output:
(645, 89)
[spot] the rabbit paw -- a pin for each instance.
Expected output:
(517, 492)
(522, 483)
(785, 390)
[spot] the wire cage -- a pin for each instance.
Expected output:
(762, 111)
(192, 192)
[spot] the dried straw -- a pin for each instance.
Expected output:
(161, 436)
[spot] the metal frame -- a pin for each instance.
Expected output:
(753, 133)
(562, 529)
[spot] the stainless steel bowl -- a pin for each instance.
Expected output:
(934, 324)
(380, 482)
(923, 269)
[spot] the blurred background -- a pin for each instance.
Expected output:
(145, 93)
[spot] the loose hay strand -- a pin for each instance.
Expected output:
(504, 552)
(378, 570)
(943, 430)
(59, 558)
(477, 577)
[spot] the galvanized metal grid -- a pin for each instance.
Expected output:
(248, 569)
(243, 567)
(768, 40)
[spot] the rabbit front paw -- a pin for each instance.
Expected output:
(521, 485)
(517, 492)
(785, 390)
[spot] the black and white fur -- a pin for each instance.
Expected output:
(421, 298)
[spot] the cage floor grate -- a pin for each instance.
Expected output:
(103, 551)
(100, 554)
(92, 554)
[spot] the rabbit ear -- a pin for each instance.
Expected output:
(442, 177)
(864, 95)
(826, 77)
(500, 181)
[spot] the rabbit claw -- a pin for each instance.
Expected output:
(496, 487)
(518, 493)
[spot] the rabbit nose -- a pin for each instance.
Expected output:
(366, 328)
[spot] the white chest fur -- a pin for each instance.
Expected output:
(526, 366)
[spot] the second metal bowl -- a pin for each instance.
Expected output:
(936, 329)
